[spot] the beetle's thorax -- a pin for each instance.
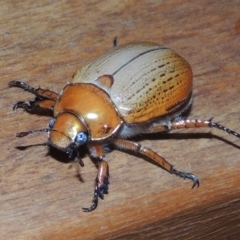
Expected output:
(93, 106)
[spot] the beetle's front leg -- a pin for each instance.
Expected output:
(96, 151)
(35, 105)
(101, 184)
(45, 99)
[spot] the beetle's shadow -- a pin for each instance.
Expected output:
(175, 136)
(61, 157)
(164, 136)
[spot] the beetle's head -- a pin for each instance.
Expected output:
(67, 133)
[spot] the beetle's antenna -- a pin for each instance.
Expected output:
(23, 134)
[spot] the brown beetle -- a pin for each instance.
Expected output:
(135, 89)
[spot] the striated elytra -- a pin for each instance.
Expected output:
(135, 89)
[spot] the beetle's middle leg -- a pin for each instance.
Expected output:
(45, 99)
(123, 144)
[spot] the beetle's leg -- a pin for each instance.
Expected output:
(45, 99)
(96, 151)
(38, 92)
(188, 123)
(123, 144)
(197, 123)
(101, 184)
(35, 105)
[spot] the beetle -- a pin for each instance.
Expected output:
(135, 89)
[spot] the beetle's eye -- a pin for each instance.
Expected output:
(52, 121)
(81, 138)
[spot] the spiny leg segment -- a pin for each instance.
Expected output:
(198, 123)
(101, 187)
(45, 99)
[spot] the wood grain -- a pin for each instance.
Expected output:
(41, 193)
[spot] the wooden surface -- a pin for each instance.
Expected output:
(43, 43)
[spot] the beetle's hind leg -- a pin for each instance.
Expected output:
(180, 123)
(123, 144)
(45, 99)
(198, 123)
(101, 184)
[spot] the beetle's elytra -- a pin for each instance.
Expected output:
(135, 89)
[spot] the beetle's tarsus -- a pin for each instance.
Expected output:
(93, 207)
(23, 105)
(22, 85)
(98, 193)
(187, 175)
(95, 203)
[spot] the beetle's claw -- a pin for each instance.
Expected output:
(187, 175)
(95, 203)
(23, 105)
(98, 193)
